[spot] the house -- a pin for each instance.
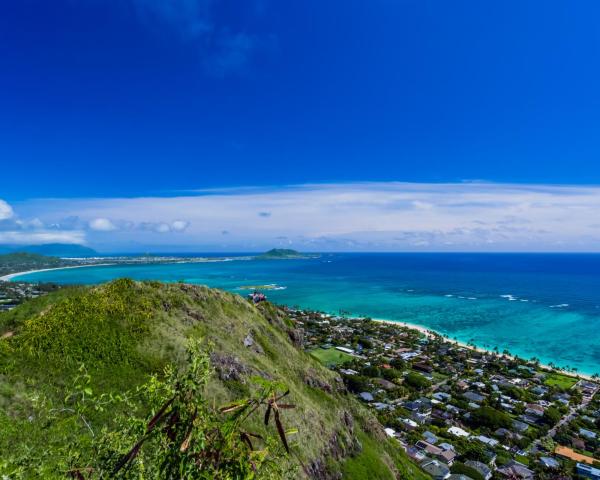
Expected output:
(428, 448)
(539, 391)
(458, 432)
(441, 396)
(490, 442)
(534, 409)
(447, 456)
(549, 462)
(430, 437)
(423, 367)
(516, 470)
(587, 471)
(481, 468)
(349, 351)
(446, 446)
(587, 434)
(409, 424)
(386, 384)
(436, 469)
(474, 397)
(520, 426)
(416, 454)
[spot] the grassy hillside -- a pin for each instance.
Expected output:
(79, 366)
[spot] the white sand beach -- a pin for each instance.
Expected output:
(432, 333)
(10, 276)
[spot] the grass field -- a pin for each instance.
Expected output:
(331, 356)
(560, 380)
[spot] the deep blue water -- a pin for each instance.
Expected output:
(542, 305)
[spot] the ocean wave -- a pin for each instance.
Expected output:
(560, 305)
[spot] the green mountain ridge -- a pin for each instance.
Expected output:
(23, 261)
(120, 337)
(51, 249)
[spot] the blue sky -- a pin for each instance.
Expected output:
(137, 99)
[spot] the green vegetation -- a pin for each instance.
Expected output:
(460, 468)
(417, 381)
(490, 417)
(369, 465)
(22, 261)
(559, 380)
(189, 372)
(283, 253)
(330, 356)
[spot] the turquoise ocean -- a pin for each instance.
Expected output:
(534, 305)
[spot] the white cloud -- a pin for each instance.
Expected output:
(363, 216)
(6, 211)
(102, 225)
(162, 228)
(42, 237)
(179, 225)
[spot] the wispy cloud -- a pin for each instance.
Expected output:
(102, 225)
(368, 216)
(223, 46)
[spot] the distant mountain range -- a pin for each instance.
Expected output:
(51, 249)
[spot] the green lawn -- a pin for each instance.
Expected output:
(560, 380)
(331, 356)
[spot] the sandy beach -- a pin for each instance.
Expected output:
(10, 276)
(432, 333)
(425, 331)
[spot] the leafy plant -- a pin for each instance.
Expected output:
(186, 438)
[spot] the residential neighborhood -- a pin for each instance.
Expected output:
(15, 293)
(458, 412)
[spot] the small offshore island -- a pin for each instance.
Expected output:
(284, 254)
(455, 411)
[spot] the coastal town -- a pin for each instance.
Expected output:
(458, 412)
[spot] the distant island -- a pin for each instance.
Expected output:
(51, 249)
(284, 253)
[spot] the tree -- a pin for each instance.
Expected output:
(490, 417)
(417, 381)
(551, 416)
(357, 383)
(461, 468)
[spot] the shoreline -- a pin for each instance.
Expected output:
(429, 333)
(10, 276)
